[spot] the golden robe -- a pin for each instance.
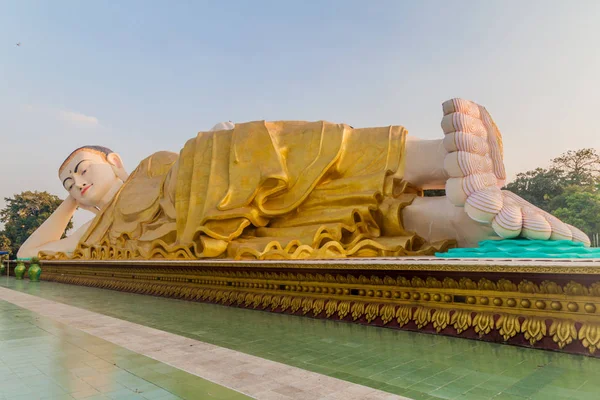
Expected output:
(264, 190)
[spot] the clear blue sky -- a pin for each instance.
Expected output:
(142, 76)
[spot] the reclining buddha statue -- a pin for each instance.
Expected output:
(294, 190)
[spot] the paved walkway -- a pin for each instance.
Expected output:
(44, 359)
(414, 365)
(254, 376)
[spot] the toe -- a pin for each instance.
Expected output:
(509, 221)
(461, 163)
(560, 230)
(579, 236)
(516, 199)
(461, 141)
(484, 205)
(459, 189)
(457, 122)
(461, 106)
(494, 139)
(535, 226)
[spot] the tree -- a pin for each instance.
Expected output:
(4, 242)
(569, 189)
(539, 186)
(575, 168)
(579, 167)
(24, 213)
(578, 207)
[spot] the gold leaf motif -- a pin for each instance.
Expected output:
(372, 312)
(389, 281)
(563, 332)
(575, 289)
(290, 276)
(329, 278)
(467, 283)
(403, 315)
(441, 319)
(422, 316)
(534, 329)
(363, 280)
(486, 284)
(275, 302)
(266, 300)
(589, 334)
(595, 289)
(526, 286)
(461, 320)
(417, 282)
(227, 297)
(307, 304)
(432, 282)
(286, 302)
(296, 304)
(550, 287)
(331, 308)
(271, 275)
(375, 280)
(343, 309)
(508, 325)
(449, 283)
(204, 294)
(257, 300)
(483, 323)
(402, 281)
(504, 285)
(249, 299)
(358, 309)
(240, 298)
(318, 306)
(224, 297)
(387, 313)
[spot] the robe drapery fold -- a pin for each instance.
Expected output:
(264, 190)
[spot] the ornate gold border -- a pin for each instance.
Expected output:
(534, 267)
(567, 312)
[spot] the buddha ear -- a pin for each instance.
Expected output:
(117, 165)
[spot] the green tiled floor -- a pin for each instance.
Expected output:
(43, 359)
(415, 365)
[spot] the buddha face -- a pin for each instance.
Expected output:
(90, 177)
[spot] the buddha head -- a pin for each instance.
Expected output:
(92, 175)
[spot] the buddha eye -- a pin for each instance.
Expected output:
(84, 171)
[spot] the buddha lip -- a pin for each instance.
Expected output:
(85, 189)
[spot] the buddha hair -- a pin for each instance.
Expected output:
(103, 151)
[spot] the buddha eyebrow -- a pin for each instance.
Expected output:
(68, 177)
(77, 166)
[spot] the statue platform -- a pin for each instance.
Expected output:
(546, 304)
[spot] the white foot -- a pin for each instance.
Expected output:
(476, 168)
